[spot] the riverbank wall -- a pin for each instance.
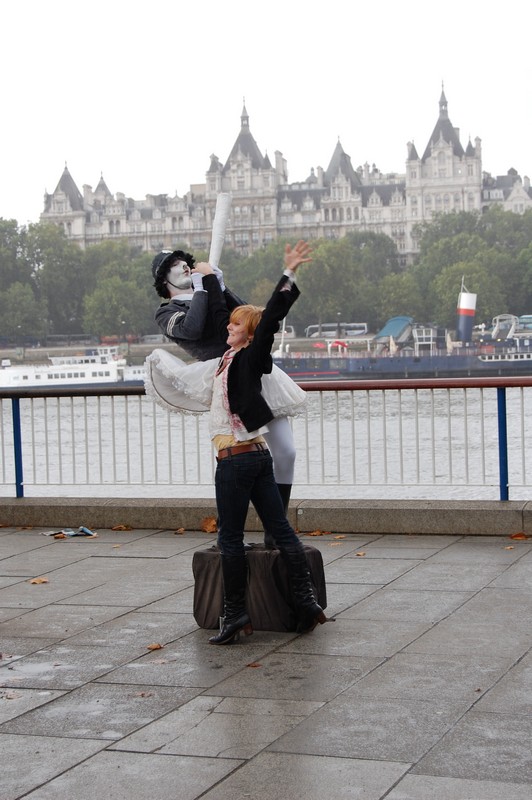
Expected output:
(467, 518)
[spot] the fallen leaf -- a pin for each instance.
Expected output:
(179, 531)
(209, 525)
(38, 580)
(318, 533)
(509, 547)
(342, 536)
(361, 553)
(254, 665)
(116, 547)
(520, 535)
(122, 528)
(155, 646)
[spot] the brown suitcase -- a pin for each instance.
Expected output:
(268, 596)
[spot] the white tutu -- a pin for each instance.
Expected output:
(187, 388)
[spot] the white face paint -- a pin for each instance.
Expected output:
(179, 276)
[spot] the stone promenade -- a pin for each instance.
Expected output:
(420, 690)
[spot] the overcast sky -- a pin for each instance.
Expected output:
(145, 92)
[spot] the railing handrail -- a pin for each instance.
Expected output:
(117, 389)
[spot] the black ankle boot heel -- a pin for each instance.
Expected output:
(231, 632)
(308, 624)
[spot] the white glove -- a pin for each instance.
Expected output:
(197, 281)
(219, 274)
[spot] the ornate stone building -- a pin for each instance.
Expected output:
(327, 204)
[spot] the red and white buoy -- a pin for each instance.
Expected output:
(465, 314)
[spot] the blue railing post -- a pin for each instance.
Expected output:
(503, 443)
(17, 446)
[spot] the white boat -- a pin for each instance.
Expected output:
(94, 367)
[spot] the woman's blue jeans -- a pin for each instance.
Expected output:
(241, 479)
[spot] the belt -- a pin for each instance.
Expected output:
(241, 448)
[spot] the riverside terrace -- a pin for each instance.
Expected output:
(420, 689)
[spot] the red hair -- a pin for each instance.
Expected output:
(247, 315)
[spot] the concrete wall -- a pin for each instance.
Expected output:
(482, 518)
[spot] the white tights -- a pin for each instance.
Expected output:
(280, 440)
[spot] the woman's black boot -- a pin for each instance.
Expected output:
(285, 490)
(309, 613)
(236, 619)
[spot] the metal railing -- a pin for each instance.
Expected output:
(411, 439)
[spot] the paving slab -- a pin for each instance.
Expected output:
(468, 577)
(428, 787)
(360, 570)
(513, 693)
(518, 576)
(181, 602)
(458, 637)
(64, 666)
(417, 606)
(194, 662)
(15, 647)
(484, 746)
(15, 702)
(493, 550)
(366, 637)
(437, 678)
(137, 627)
(500, 607)
(273, 775)
(30, 761)
(60, 621)
(297, 676)
(387, 729)
(137, 775)
(100, 711)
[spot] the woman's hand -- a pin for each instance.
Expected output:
(294, 256)
(203, 268)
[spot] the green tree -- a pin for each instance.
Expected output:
(116, 307)
(14, 265)
(398, 295)
(20, 313)
(58, 274)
